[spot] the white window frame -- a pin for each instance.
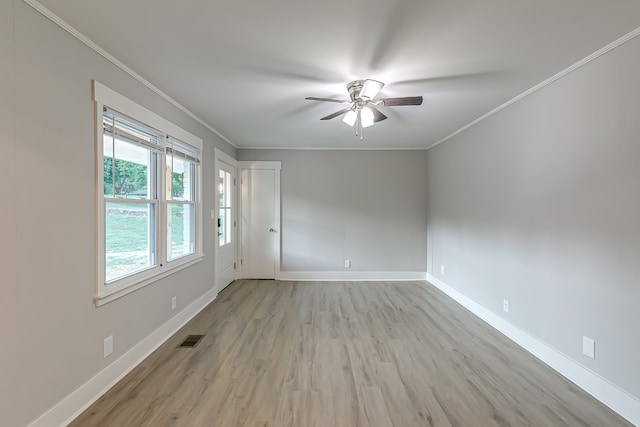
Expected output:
(104, 293)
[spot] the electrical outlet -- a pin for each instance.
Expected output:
(347, 263)
(505, 305)
(441, 268)
(588, 347)
(173, 303)
(108, 346)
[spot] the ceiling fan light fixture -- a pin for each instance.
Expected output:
(370, 88)
(366, 117)
(350, 117)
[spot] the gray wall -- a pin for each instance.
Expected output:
(52, 333)
(540, 204)
(8, 218)
(366, 206)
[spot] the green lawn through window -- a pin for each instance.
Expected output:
(127, 238)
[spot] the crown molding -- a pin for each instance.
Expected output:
(81, 37)
(543, 84)
(106, 55)
(336, 148)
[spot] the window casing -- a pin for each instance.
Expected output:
(149, 219)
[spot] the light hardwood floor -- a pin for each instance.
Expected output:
(326, 354)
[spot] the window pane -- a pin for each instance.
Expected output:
(221, 227)
(181, 230)
(129, 245)
(227, 233)
(128, 129)
(128, 175)
(180, 179)
(224, 213)
(221, 190)
(224, 230)
(227, 190)
(224, 189)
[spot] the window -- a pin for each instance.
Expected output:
(129, 159)
(181, 196)
(149, 211)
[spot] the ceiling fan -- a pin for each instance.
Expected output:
(362, 112)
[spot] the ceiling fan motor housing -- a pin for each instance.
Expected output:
(354, 89)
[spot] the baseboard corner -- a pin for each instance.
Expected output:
(618, 400)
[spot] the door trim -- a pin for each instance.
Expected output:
(275, 166)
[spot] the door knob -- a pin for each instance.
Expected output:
(272, 230)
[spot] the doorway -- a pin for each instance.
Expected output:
(225, 213)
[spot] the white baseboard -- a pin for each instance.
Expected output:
(347, 276)
(620, 401)
(74, 404)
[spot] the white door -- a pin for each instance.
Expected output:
(225, 264)
(260, 222)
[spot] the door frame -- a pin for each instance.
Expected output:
(223, 157)
(275, 166)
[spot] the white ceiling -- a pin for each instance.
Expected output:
(245, 66)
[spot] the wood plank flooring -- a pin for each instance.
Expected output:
(307, 354)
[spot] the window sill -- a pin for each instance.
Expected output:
(108, 295)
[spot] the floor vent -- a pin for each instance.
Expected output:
(191, 341)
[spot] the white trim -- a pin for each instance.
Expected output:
(89, 43)
(278, 221)
(541, 85)
(269, 165)
(325, 148)
(353, 276)
(620, 401)
(224, 157)
(75, 403)
(154, 275)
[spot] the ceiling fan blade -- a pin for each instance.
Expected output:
(370, 88)
(395, 102)
(339, 101)
(377, 115)
(336, 114)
